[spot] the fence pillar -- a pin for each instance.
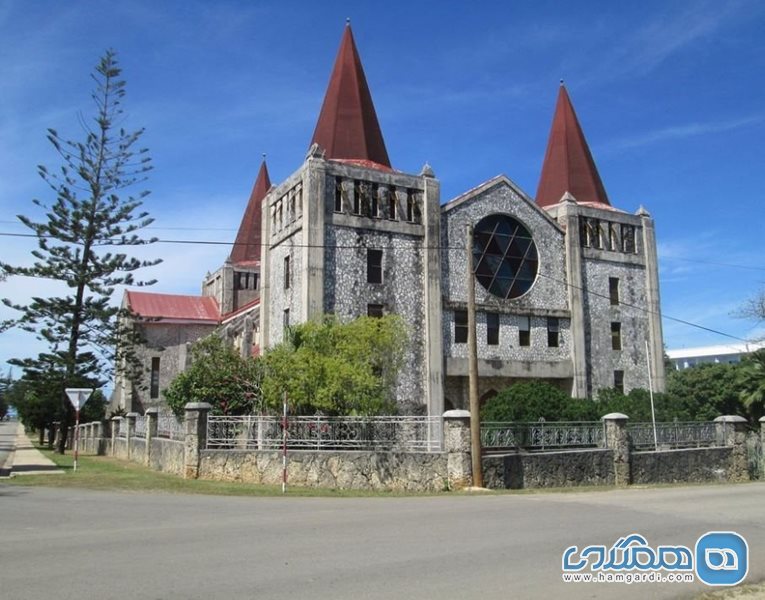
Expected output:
(130, 431)
(762, 448)
(196, 437)
(731, 430)
(98, 438)
(617, 440)
(116, 423)
(457, 445)
(152, 421)
(56, 434)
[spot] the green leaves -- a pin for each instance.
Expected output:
(337, 368)
(87, 213)
(219, 375)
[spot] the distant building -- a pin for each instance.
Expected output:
(683, 358)
(566, 284)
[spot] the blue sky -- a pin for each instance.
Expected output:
(670, 96)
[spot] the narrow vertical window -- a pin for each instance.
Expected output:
(375, 310)
(154, 377)
(553, 332)
(237, 281)
(492, 329)
(286, 272)
(374, 265)
(616, 335)
(356, 197)
(613, 290)
(628, 239)
(613, 237)
(286, 320)
(460, 327)
(619, 380)
(524, 331)
(410, 205)
(255, 281)
(392, 199)
(338, 195)
(374, 209)
(596, 234)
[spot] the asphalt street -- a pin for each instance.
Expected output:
(77, 544)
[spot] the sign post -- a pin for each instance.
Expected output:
(78, 397)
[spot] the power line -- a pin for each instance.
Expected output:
(337, 246)
(421, 248)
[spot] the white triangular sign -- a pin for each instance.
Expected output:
(78, 396)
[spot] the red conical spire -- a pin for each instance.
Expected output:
(347, 127)
(247, 245)
(568, 164)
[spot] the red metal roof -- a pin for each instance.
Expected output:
(568, 164)
(173, 306)
(244, 308)
(247, 245)
(347, 125)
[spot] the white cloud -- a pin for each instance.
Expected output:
(681, 132)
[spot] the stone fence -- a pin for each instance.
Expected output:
(617, 463)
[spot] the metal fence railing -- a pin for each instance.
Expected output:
(253, 432)
(541, 435)
(168, 426)
(676, 434)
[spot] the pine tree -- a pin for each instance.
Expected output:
(80, 241)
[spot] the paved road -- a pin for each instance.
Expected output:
(7, 441)
(78, 544)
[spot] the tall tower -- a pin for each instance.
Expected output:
(612, 268)
(347, 234)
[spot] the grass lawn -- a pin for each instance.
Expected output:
(106, 473)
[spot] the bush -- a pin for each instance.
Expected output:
(220, 376)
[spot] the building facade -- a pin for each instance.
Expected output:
(566, 285)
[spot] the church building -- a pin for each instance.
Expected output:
(566, 284)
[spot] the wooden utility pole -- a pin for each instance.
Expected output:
(475, 409)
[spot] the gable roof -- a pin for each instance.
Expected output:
(568, 165)
(499, 180)
(347, 127)
(173, 306)
(246, 249)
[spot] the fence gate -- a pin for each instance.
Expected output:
(754, 453)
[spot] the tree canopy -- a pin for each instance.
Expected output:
(337, 368)
(77, 237)
(220, 376)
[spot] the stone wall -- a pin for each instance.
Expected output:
(167, 456)
(411, 472)
(550, 469)
(347, 293)
(617, 463)
(694, 465)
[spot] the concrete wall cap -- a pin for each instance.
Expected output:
(730, 419)
(762, 419)
(117, 418)
(152, 411)
(614, 417)
(457, 414)
(133, 415)
(198, 406)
